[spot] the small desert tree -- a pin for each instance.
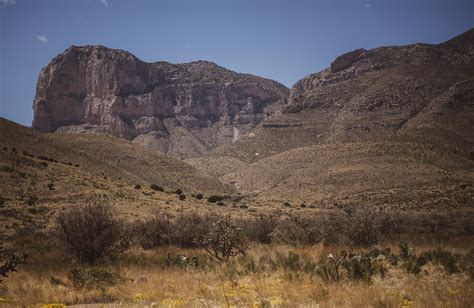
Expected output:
(91, 233)
(225, 240)
(9, 261)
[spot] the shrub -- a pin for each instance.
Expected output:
(291, 261)
(330, 266)
(364, 267)
(32, 200)
(92, 278)
(214, 199)
(186, 230)
(260, 228)
(409, 260)
(138, 186)
(199, 196)
(182, 197)
(178, 191)
(225, 240)
(182, 261)
(10, 259)
(448, 260)
(468, 263)
(296, 230)
(367, 227)
(156, 187)
(153, 232)
(91, 233)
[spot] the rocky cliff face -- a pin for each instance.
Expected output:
(179, 109)
(456, 52)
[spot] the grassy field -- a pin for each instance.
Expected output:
(268, 276)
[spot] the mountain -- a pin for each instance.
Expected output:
(183, 110)
(391, 125)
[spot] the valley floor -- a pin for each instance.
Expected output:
(269, 276)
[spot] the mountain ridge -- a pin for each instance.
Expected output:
(101, 90)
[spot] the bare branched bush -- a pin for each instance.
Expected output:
(296, 230)
(185, 230)
(364, 228)
(225, 240)
(91, 233)
(260, 228)
(153, 232)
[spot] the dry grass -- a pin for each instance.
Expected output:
(146, 279)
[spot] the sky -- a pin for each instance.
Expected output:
(284, 40)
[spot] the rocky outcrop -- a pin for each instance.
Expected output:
(180, 109)
(456, 52)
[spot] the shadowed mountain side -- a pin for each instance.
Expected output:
(108, 156)
(43, 174)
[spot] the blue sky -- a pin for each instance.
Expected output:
(280, 39)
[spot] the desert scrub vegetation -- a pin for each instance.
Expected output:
(190, 259)
(10, 260)
(267, 275)
(91, 233)
(224, 240)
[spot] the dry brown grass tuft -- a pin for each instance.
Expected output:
(146, 278)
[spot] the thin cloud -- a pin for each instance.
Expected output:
(368, 5)
(42, 38)
(105, 3)
(7, 3)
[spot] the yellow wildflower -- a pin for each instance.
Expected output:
(453, 291)
(407, 303)
(139, 297)
(170, 302)
(276, 301)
